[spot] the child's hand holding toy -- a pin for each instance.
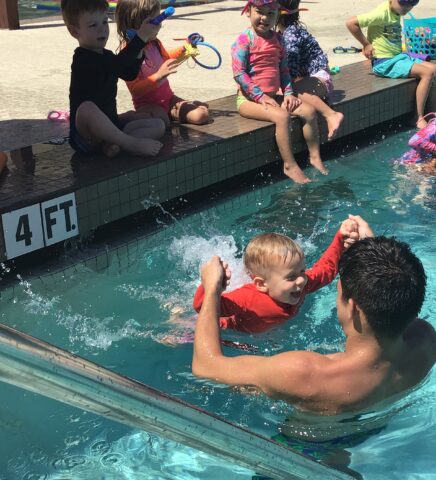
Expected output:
(167, 68)
(147, 30)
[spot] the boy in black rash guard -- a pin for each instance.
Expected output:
(94, 122)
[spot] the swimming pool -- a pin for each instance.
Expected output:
(119, 318)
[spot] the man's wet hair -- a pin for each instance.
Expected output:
(72, 9)
(386, 280)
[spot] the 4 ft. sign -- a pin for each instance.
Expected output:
(43, 224)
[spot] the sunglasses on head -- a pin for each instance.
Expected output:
(407, 3)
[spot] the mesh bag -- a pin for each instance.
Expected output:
(420, 35)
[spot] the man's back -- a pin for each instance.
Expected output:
(365, 374)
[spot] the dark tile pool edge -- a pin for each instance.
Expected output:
(61, 261)
(236, 149)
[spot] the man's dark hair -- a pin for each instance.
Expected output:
(72, 9)
(386, 280)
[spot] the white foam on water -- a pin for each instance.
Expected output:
(95, 332)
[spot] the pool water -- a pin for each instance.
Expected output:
(136, 318)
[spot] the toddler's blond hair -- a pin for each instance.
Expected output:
(266, 250)
(129, 14)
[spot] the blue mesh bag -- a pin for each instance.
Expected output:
(420, 35)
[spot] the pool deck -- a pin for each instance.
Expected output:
(49, 194)
(60, 189)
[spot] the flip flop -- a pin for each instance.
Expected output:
(58, 115)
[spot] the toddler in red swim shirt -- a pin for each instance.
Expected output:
(280, 280)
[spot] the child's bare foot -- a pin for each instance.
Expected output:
(334, 122)
(110, 149)
(295, 173)
(317, 163)
(421, 123)
(144, 146)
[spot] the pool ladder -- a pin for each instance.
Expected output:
(34, 365)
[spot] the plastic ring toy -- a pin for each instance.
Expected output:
(195, 39)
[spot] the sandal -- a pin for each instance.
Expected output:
(58, 115)
(346, 50)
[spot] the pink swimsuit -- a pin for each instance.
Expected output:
(146, 89)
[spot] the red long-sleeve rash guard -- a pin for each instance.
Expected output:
(248, 310)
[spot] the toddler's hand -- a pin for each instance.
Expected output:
(368, 51)
(290, 103)
(168, 68)
(147, 30)
(350, 232)
(363, 227)
(268, 101)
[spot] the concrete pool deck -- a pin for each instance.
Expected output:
(49, 195)
(36, 60)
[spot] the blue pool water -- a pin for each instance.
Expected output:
(129, 317)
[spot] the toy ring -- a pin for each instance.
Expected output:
(195, 39)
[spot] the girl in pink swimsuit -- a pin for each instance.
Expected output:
(260, 70)
(151, 91)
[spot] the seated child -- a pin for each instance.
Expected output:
(423, 148)
(382, 46)
(150, 89)
(94, 122)
(308, 65)
(260, 69)
(280, 280)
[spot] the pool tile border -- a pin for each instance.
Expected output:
(193, 158)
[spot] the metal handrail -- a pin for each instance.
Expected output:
(34, 365)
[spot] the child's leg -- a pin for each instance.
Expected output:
(153, 111)
(146, 128)
(280, 117)
(94, 126)
(333, 119)
(424, 72)
(310, 132)
(183, 111)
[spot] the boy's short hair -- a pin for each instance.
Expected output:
(386, 280)
(266, 250)
(72, 9)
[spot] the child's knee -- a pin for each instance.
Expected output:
(199, 116)
(308, 112)
(160, 128)
(280, 117)
(86, 109)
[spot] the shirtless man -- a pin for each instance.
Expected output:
(387, 350)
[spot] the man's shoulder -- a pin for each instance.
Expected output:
(292, 371)
(420, 332)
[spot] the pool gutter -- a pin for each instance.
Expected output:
(34, 365)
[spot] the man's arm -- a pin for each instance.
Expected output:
(291, 369)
